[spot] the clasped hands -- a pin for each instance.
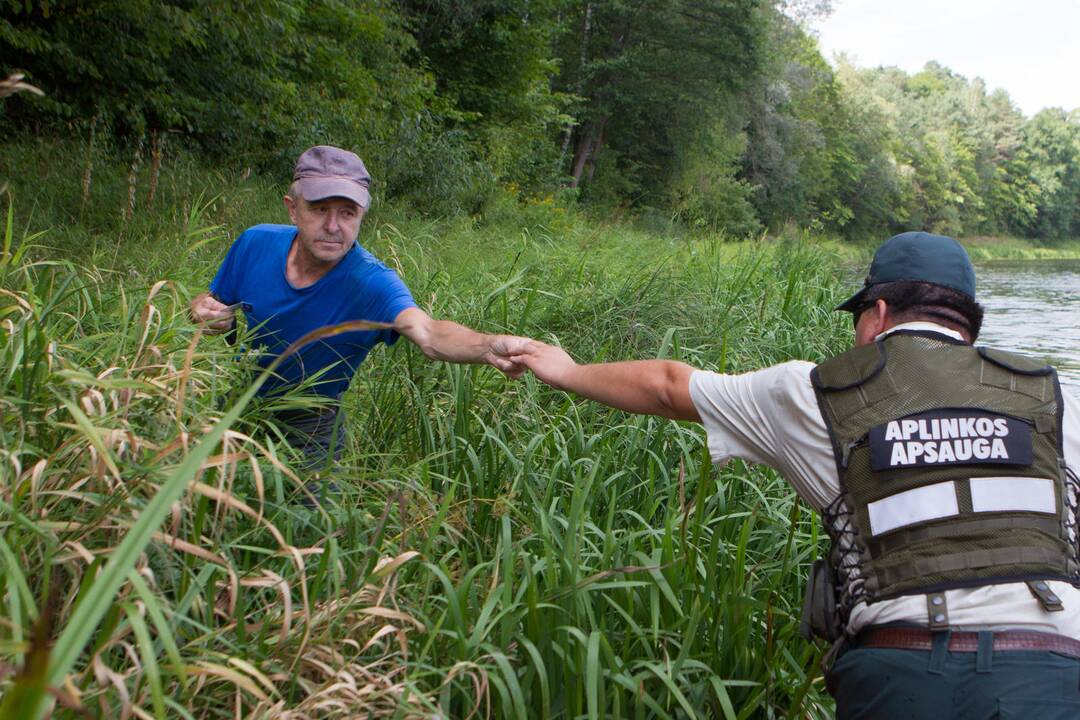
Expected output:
(513, 355)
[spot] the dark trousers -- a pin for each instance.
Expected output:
(319, 436)
(889, 684)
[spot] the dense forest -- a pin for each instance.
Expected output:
(714, 114)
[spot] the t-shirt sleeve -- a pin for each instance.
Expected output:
(225, 286)
(394, 297)
(770, 417)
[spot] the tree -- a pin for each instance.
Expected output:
(816, 156)
(253, 80)
(492, 64)
(649, 75)
(1052, 138)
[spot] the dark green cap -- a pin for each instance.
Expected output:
(918, 257)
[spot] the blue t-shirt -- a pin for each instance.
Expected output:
(359, 287)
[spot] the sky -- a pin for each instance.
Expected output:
(1029, 48)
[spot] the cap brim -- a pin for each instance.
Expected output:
(853, 302)
(315, 189)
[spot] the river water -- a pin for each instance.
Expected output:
(1033, 306)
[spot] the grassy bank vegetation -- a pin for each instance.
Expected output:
(1010, 248)
(499, 549)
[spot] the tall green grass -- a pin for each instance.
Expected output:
(499, 549)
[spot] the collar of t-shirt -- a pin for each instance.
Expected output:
(922, 326)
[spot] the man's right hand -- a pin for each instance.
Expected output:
(552, 365)
(213, 316)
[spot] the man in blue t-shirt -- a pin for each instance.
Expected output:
(291, 279)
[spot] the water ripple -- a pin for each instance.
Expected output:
(1033, 307)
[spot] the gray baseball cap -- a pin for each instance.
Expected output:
(325, 171)
(920, 257)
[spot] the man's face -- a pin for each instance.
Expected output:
(326, 229)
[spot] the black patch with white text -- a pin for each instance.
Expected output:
(951, 437)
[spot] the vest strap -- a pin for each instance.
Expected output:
(967, 561)
(901, 538)
(1047, 598)
(937, 611)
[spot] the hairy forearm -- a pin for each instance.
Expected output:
(648, 387)
(451, 342)
(447, 340)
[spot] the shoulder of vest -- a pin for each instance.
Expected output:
(929, 334)
(1021, 364)
(850, 368)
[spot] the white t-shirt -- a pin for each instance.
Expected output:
(771, 416)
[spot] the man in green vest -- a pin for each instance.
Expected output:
(941, 472)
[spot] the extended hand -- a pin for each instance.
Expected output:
(549, 363)
(213, 316)
(502, 348)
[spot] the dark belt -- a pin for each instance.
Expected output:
(917, 639)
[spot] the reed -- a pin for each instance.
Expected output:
(499, 549)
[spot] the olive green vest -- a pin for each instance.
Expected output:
(951, 470)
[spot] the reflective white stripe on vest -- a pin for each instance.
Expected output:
(1023, 494)
(913, 506)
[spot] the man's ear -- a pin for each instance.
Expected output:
(882, 318)
(290, 206)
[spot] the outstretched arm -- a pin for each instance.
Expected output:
(647, 387)
(449, 341)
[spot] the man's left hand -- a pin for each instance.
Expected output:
(502, 348)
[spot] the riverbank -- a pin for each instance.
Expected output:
(983, 247)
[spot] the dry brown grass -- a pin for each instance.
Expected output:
(103, 397)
